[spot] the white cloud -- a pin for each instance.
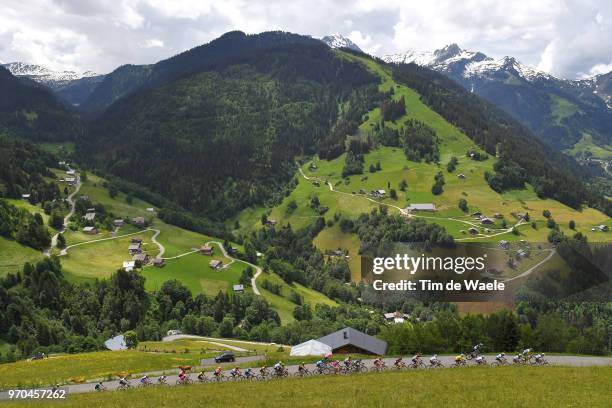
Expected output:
(152, 43)
(566, 37)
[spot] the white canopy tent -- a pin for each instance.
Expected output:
(116, 343)
(310, 348)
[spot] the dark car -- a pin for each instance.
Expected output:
(225, 358)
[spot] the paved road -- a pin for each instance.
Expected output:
(258, 270)
(577, 361)
(70, 199)
(162, 249)
(65, 250)
(534, 267)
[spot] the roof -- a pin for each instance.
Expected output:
(90, 216)
(140, 257)
(129, 265)
(215, 262)
(87, 229)
(350, 336)
(138, 220)
(310, 348)
(134, 245)
(422, 207)
(238, 288)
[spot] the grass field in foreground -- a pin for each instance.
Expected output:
(100, 364)
(471, 387)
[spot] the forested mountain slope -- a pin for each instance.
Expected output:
(32, 111)
(221, 140)
(130, 78)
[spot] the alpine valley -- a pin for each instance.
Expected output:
(230, 191)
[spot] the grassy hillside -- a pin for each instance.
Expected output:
(474, 387)
(281, 302)
(419, 176)
(14, 255)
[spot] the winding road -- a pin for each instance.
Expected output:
(70, 199)
(404, 212)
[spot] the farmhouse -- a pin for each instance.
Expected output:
(486, 221)
(26, 196)
(215, 264)
(473, 231)
(421, 207)
(90, 216)
(206, 250)
(476, 214)
(141, 257)
(503, 244)
(70, 180)
(461, 176)
(90, 230)
(271, 222)
(139, 221)
(159, 262)
(379, 193)
(70, 172)
(396, 317)
(135, 248)
(349, 340)
(129, 265)
(238, 288)
(603, 228)
(119, 223)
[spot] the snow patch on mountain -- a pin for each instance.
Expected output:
(339, 41)
(45, 75)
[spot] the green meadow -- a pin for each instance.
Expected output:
(470, 387)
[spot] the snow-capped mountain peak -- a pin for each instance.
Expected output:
(45, 75)
(339, 41)
(468, 64)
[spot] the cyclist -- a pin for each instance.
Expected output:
(301, 368)
(320, 365)
(235, 372)
(161, 379)
(182, 374)
(248, 373)
(539, 358)
(460, 359)
(144, 380)
(278, 368)
(480, 360)
(399, 362)
(476, 349)
(123, 382)
(335, 365)
(416, 359)
(201, 376)
(100, 386)
(501, 358)
(379, 363)
(433, 361)
(217, 372)
(263, 371)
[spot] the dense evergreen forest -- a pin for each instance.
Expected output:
(257, 114)
(30, 110)
(23, 168)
